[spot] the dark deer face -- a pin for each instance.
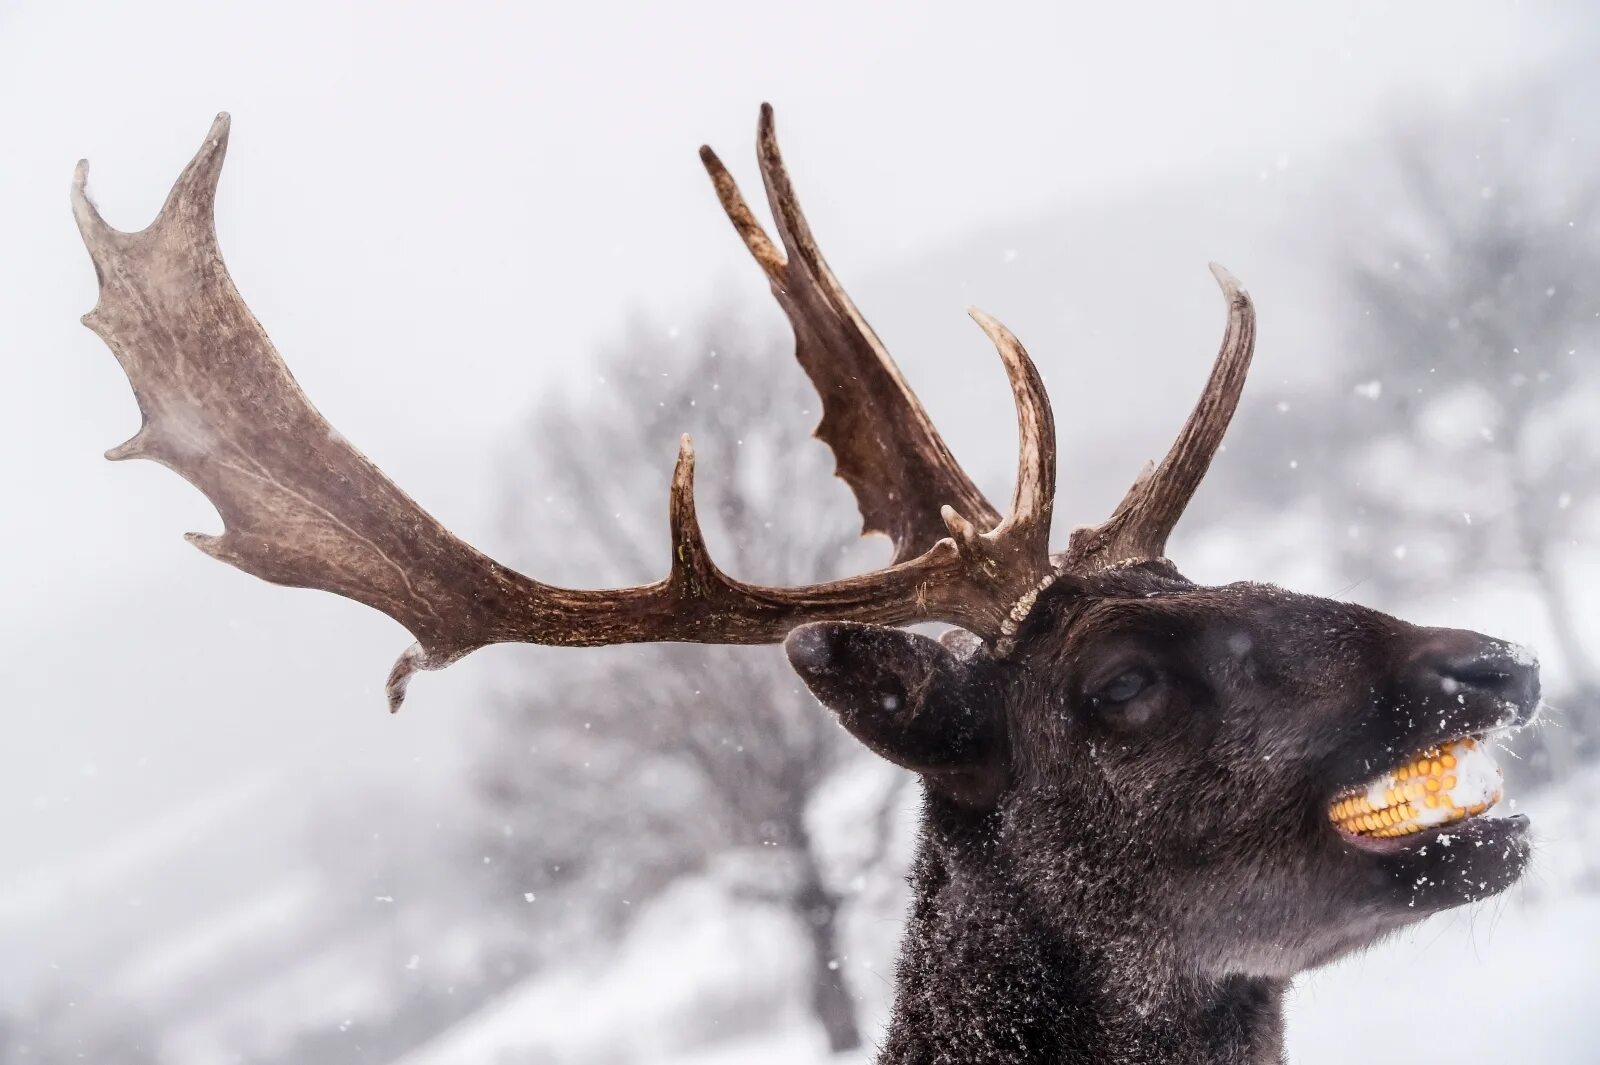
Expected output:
(1159, 760)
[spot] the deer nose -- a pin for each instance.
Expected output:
(1465, 665)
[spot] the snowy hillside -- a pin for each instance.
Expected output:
(684, 986)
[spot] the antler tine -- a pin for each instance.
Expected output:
(693, 573)
(793, 229)
(1033, 499)
(1139, 527)
(765, 253)
(91, 226)
(886, 446)
(192, 200)
(1015, 555)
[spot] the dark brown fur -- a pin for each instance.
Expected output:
(1139, 881)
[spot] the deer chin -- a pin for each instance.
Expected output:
(1434, 794)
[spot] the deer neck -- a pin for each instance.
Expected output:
(983, 983)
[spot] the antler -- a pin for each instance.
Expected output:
(301, 506)
(885, 444)
(1139, 527)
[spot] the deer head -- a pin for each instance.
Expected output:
(1250, 779)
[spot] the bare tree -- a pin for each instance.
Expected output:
(634, 768)
(1463, 438)
(1478, 340)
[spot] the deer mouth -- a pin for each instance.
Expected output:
(1432, 790)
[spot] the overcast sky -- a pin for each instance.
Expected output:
(437, 208)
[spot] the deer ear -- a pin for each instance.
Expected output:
(909, 699)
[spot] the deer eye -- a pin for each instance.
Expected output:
(1121, 688)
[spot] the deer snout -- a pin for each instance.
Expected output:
(1466, 666)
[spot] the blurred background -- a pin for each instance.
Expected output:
(479, 233)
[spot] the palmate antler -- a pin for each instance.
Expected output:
(887, 448)
(301, 506)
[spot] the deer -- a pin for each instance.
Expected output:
(1147, 804)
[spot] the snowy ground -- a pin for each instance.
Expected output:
(1508, 980)
(703, 978)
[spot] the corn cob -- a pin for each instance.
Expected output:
(1440, 786)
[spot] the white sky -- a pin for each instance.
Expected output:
(435, 207)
